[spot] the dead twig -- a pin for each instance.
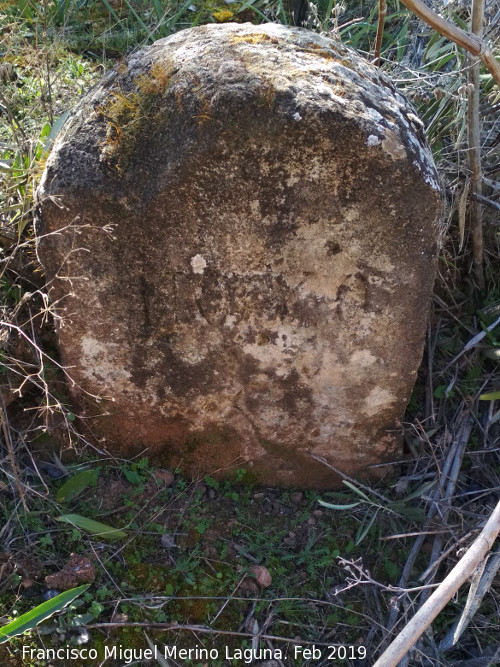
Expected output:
(436, 563)
(486, 202)
(456, 456)
(400, 536)
(443, 594)
(473, 342)
(229, 598)
(175, 627)
(382, 11)
(474, 148)
(417, 545)
(480, 585)
(359, 576)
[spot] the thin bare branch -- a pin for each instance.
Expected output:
(474, 148)
(456, 454)
(175, 627)
(486, 202)
(443, 594)
(481, 583)
(382, 11)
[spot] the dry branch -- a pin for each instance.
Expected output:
(456, 455)
(443, 594)
(474, 149)
(486, 202)
(437, 494)
(382, 11)
(481, 584)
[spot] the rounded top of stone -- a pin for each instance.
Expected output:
(208, 76)
(246, 33)
(287, 55)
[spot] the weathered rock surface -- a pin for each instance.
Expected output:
(239, 229)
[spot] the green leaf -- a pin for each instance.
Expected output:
(133, 477)
(356, 490)
(32, 618)
(349, 547)
(338, 494)
(365, 526)
(46, 541)
(75, 485)
(391, 569)
(409, 512)
(94, 527)
(331, 506)
(55, 129)
(45, 131)
(95, 609)
(493, 396)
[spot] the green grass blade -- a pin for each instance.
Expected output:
(111, 10)
(356, 490)
(331, 506)
(158, 9)
(168, 26)
(75, 485)
(493, 396)
(54, 130)
(402, 41)
(140, 22)
(328, 13)
(246, 5)
(32, 618)
(95, 527)
(365, 526)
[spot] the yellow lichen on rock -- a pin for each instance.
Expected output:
(223, 15)
(255, 38)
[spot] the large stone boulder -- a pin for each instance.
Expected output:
(239, 229)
